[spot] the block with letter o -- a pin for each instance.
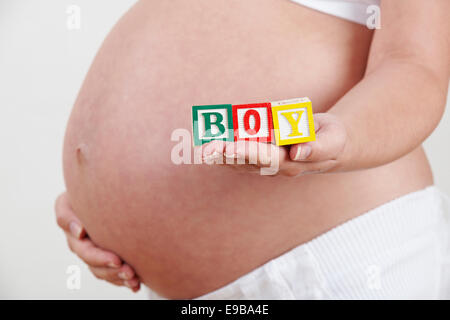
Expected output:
(253, 122)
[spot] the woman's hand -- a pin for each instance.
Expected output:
(318, 156)
(103, 264)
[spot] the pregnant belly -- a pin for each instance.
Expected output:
(190, 229)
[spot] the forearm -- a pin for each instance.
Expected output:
(389, 113)
(392, 110)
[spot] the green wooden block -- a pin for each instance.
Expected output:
(214, 122)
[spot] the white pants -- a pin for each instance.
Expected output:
(400, 250)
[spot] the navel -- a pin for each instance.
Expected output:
(82, 153)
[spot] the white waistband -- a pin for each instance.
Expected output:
(405, 242)
(401, 243)
(395, 231)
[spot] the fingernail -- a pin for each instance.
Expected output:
(303, 152)
(113, 265)
(231, 155)
(209, 159)
(297, 155)
(123, 276)
(75, 229)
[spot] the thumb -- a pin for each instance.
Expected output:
(330, 140)
(66, 219)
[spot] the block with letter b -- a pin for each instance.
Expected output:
(214, 122)
(293, 121)
(253, 122)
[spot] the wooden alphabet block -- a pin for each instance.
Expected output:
(214, 122)
(253, 122)
(293, 121)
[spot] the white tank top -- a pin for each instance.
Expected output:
(353, 10)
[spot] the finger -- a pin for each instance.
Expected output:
(249, 156)
(66, 219)
(137, 288)
(91, 254)
(126, 272)
(256, 153)
(245, 152)
(330, 139)
(212, 152)
(214, 146)
(134, 283)
(110, 274)
(121, 283)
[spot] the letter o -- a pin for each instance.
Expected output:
(247, 116)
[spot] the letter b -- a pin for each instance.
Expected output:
(217, 123)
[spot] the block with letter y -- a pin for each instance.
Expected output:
(293, 121)
(214, 122)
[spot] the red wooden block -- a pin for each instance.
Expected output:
(253, 122)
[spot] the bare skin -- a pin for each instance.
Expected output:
(187, 230)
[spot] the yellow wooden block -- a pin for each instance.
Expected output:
(293, 121)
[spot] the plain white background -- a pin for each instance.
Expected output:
(42, 65)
